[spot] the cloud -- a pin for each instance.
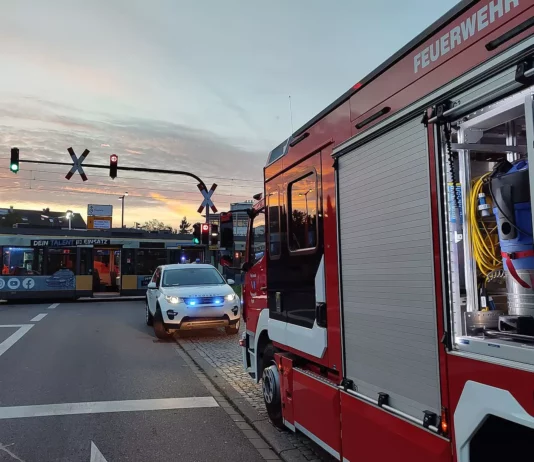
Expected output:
(43, 131)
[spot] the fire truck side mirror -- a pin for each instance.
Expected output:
(246, 266)
(226, 230)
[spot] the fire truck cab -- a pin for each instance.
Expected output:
(389, 276)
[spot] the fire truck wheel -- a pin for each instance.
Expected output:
(271, 387)
(159, 328)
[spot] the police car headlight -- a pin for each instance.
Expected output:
(230, 297)
(173, 300)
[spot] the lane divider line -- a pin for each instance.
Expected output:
(99, 407)
(53, 306)
(14, 338)
(38, 317)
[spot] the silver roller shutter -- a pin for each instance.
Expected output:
(389, 307)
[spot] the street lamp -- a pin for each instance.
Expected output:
(69, 215)
(121, 198)
(306, 198)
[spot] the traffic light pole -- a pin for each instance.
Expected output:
(128, 169)
(136, 169)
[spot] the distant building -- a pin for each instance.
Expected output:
(19, 218)
(240, 221)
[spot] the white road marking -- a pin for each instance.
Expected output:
(96, 455)
(13, 338)
(38, 317)
(53, 305)
(3, 447)
(43, 410)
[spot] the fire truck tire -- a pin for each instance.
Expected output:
(271, 387)
(159, 327)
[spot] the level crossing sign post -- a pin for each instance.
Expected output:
(208, 203)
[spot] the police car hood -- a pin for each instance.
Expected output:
(216, 290)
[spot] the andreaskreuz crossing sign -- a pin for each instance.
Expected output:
(207, 202)
(77, 164)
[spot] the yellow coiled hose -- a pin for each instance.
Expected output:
(485, 243)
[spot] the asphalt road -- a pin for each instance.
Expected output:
(89, 382)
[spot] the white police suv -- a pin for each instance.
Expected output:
(191, 296)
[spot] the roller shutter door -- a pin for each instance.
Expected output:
(389, 306)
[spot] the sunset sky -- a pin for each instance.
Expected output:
(187, 85)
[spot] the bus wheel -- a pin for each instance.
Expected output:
(159, 327)
(271, 387)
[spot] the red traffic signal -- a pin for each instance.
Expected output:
(205, 233)
(113, 163)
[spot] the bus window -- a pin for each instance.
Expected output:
(21, 261)
(149, 259)
(60, 259)
(128, 267)
(86, 264)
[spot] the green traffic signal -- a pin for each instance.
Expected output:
(14, 162)
(196, 240)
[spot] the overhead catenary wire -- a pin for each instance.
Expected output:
(62, 172)
(76, 191)
(112, 186)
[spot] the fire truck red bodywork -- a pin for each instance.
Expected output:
(311, 394)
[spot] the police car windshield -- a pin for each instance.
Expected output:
(191, 277)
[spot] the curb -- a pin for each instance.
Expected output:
(110, 299)
(273, 437)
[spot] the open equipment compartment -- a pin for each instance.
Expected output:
(485, 160)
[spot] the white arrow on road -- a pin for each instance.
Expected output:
(96, 455)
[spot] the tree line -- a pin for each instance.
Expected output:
(157, 225)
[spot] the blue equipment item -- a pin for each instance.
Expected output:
(454, 192)
(510, 192)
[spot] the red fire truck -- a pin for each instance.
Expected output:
(388, 293)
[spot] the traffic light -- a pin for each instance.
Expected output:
(14, 164)
(227, 231)
(113, 163)
(214, 236)
(196, 233)
(205, 233)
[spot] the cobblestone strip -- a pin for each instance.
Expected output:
(223, 353)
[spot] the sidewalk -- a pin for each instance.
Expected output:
(219, 356)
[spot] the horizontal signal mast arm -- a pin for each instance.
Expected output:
(131, 169)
